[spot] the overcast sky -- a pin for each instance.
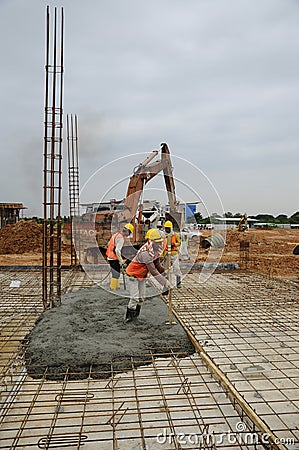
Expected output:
(218, 80)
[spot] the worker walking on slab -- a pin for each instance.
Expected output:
(147, 260)
(114, 256)
(173, 242)
(184, 244)
(160, 229)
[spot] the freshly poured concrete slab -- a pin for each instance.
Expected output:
(88, 329)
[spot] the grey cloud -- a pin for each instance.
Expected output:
(217, 80)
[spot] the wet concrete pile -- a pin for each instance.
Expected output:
(88, 330)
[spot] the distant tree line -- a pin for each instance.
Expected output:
(40, 220)
(264, 218)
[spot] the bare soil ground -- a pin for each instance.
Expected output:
(21, 245)
(270, 250)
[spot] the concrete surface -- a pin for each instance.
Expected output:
(89, 329)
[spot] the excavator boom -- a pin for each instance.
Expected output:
(143, 173)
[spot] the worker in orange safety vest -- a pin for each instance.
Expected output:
(147, 260)
(114, 256)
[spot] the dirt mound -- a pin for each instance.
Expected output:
(26, 236)
(22, 237)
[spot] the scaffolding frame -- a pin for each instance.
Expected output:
(53, 125)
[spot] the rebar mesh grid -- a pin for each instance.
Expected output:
(169, 401)
(250, 330)
(169, 394)
(20, 306)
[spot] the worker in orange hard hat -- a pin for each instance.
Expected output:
(173, 242)
(147, 260)
(114, 256)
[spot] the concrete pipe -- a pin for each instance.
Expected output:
(296, 250)
(215, 240)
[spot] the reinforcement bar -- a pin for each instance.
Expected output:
(230, 389)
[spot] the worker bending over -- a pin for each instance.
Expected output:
(147, 260)
(173, 242)
(114, 256)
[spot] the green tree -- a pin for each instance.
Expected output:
(264, 218)
(295, 217)
(198, 217)
(281, 218)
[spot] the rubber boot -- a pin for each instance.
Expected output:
(165, 291)
(178, 282)
(114, 284)
(118, 284)
(137, 311)
(130, 315)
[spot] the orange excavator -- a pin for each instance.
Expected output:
(107, 222)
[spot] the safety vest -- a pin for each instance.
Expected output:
(110, 252)
(174, 239)
(137, 269)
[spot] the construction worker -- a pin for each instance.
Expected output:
(160, 228)
(173, 242)
(147, 260)
(114, 256)
(184, 244)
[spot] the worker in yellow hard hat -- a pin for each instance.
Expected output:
(146, 260)
(173, 242)
(114, 255)
(148, 233)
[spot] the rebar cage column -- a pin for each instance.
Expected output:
(53, 124)
(73, 178)
(244, 254)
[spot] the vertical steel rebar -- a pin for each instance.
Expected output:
(53, 125)
(73, 175)
(45, 233)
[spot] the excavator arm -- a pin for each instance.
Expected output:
(142, 174)
(168, 177)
